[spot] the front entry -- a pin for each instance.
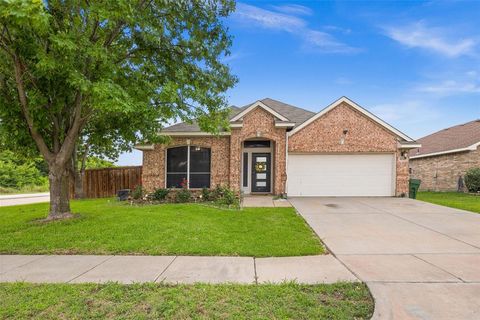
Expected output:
(261, 171)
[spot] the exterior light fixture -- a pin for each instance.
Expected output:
(342, 139)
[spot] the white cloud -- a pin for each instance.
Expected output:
(458, 83)
(337, 29)
(326, 42)
(268, 19)
(294, 9)
(281, 21)
(451, 87)
(409, 116)
(418, 35)
(343, 81)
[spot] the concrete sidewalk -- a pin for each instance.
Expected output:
(24, 198)
(171, 269)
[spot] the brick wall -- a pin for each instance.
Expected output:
(153, 175)
(259, 123)
(364, 135)
(440, 173)
(323, 135)
(402, 174)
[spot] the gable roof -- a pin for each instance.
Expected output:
(284, 112)
(288, 115)
(358, 108)
(463, 137)
(258, 104)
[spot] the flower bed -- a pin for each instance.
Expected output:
(218, 196)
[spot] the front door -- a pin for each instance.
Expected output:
(261, 170)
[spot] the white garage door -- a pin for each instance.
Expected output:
(340, 175)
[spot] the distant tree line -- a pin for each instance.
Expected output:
(20, 173)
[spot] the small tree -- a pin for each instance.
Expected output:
(472, 180)
(70, 66)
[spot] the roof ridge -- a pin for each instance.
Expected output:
(291, 105)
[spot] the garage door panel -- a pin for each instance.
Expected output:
(340, 175)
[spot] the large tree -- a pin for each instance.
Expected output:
(66, 66)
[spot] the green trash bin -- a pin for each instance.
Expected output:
(414, 184)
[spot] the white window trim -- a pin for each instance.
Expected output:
(249, 151)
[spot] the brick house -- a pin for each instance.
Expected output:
(276, 148)
(445, 156)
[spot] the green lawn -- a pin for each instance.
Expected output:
(202, 301)
(452, 199)
(106, 226)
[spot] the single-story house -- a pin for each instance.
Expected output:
(445, 156)
(276, 148)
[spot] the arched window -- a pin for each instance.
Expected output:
(190, 163)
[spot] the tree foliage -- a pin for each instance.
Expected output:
(98, 163)
(108, 71)
(472, 179)
(18, 172)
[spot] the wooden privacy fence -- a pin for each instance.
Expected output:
(101, 183)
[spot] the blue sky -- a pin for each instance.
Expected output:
(415, 64)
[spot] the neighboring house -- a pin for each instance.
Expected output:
(276, 148)
(445, 156)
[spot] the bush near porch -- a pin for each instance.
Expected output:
(106, 226)
(219, 196)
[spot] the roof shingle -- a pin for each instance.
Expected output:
(456, 137)
(292, 113)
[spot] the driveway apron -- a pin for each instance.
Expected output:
(420, 260)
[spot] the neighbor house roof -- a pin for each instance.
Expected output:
(463, 137)
(290, 114)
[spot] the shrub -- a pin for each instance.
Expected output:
(229, 198)
(18, 173)
(206, 194)
(184, 195)
(225, 196)
(137, 193)
(160, 194)
(472, 180)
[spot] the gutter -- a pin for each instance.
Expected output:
(473, 147)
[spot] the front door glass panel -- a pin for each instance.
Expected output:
(261, 172)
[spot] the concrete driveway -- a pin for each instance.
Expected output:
(420, 261)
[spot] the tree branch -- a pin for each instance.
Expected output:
(72, 133)
(40, 142)
(115, 32)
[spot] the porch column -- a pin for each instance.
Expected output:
(235, 160)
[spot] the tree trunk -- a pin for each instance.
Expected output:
(59, 194)
(79, 176)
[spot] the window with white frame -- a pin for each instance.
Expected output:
(190, 163)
